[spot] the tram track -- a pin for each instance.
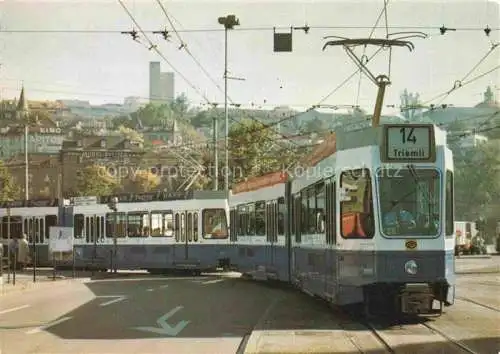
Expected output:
(457, 343)
(391, 345)
(478, 303)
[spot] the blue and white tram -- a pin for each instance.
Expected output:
(159, 234)
(371, 221)
(34, 221)
(258, 212)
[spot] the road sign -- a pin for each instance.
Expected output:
(61, 239)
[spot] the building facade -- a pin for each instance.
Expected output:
(161, 85)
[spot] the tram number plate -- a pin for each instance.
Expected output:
(409, 143)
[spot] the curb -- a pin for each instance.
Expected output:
(22, 286)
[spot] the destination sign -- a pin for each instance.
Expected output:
(148, 197)
(29, 203)
(407, 142)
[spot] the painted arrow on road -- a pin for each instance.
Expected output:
(164, 328)
(117, 298)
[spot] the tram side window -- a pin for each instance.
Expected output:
(79, 221)
(260, 218)
(138, 224)
(88, 229)
(281, 216)
(190, 227)
(183, 227)
(50, 220)
(356, 204)
(177, 227)
(28, 229)
(320, 207)
(36, 230)
(16, 226)
(304, 213)
(450, 212)
(242, 224)
(116, 226)
(214, 223)
(98, 221)
(251, 220)
(195, 227)
(168, 224)
(311, 215)
(162, 224)
(297, 222)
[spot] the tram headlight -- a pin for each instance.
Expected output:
(411, 267)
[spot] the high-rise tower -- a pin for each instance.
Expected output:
(161, 85)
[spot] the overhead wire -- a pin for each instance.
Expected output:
(154, 47)
(264, 28)
(363, 56)
(460, 83)
(183, 45)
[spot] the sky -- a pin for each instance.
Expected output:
(105, 67)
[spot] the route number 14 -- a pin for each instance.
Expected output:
(407, 135)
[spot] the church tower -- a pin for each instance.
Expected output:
(22, 109)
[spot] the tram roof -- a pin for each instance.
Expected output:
(122, 198)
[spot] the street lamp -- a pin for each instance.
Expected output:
(113, 205)
(228, 22)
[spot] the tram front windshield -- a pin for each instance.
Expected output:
(409, 202)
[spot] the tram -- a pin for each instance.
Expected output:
(153, 231)
(370, 221)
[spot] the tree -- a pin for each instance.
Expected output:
(145, 181)
(180, 107)
(202, 119)
(9, 190)
(477, 182)
(315, 126)
(131, 134)
(94, 180)
(254, 150)
(152, 115)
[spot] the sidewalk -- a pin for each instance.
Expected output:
(24, 281)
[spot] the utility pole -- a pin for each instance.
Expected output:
(113, 205)
(26, 170)
(228, 22)
(216, 155)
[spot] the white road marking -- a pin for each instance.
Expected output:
(213, 281)
(51, 324)
(14, 309)
(112, 301)
(117, 298)
(164, 286)
(150, 290)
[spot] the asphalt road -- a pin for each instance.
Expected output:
(210, 314)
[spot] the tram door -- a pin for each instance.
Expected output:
(94, 232)
(34, 228)
(271, 233)
(186, 236)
